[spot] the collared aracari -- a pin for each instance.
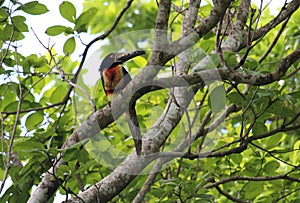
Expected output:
(114, 78)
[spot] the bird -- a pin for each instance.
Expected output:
(115, 78)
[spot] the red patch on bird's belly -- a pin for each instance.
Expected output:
(113, 75)
(111, 78)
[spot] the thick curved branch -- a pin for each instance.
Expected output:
(198, 32)
(235, 39)
(160, 44)
(217, 74)
(161, 26)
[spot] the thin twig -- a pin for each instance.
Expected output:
(293, 72)
(218, 45)
(272, 155)
(285, 195)
(229, 196)
(250, 178)
(13, 134)
(274, 42)
(85, 92)
(147, 184)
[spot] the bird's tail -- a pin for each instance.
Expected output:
(134, 127)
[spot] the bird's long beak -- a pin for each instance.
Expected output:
(125, 56)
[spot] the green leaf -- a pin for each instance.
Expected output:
(33, 61)
(236, 98)
(296, 154)
(3, 15)
(140, 62)
(83, 168)
(28, 145)
(34, 120)
(274, 140)
(230, 58)
(253, 189)
(289, 98)
(278, 108)
(49, 142)
(98, 146)
(261, 103)
(12, 106)
(55, 30)
(69, 46)
(68, 11)
(271, 166)
(39, 84)
(7, 32)
(19, 23)
(71, 154)
(252, 166)
(259, 128)
(205, 197)
(10, 98)
(63, 170)
(295, 94)
(236, 158)
(157, 192)
(9, 62)
(69, 30)
(58, 94)
(251, 64)
(28, 96)
(217, 99)
(33, 8)
(84, 19)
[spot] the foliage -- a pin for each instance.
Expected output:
(46, 98)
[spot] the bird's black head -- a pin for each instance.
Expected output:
(114, 59)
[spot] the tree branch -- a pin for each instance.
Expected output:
(249, 178)
(14, 131)
(285, 13)
(229, 196)
(274, 42)
(193, 36)
(235, 39)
